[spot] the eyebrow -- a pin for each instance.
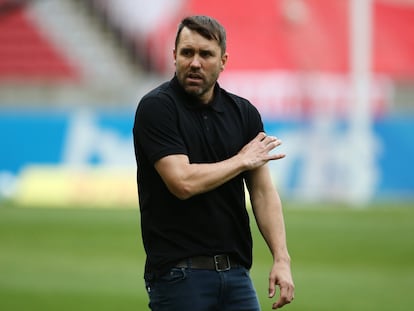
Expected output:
(201, 50)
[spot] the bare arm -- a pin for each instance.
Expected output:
(267, 209)
(185, 179)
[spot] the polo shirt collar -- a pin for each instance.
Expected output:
(193, 103)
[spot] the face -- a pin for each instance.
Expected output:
(198, 63)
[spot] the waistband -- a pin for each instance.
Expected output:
(218, 262)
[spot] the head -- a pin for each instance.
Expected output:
(200, 55)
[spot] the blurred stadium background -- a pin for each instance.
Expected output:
(334, 79)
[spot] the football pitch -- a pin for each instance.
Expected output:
(92, 259)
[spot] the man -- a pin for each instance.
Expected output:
(195, 146)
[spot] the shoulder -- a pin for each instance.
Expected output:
(247, 112)
(156, 105)
(240, 102)
(159, 93)
(157, 100)
(236, 98)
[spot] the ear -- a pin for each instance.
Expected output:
(224, 59)
(174, 55)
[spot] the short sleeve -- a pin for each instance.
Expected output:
(155, 130)
(255, 123)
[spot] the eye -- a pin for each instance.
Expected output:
(206, 54)
(186, 52)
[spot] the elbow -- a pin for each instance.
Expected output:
(182, 194)
(181, 190)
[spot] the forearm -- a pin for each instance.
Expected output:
(186, 179)
(200, 178)
(267, 208)
(269, 217)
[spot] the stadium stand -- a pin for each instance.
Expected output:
(302, 36)
(112, 48)
(55, 52)
(138, 21)
(25, 53)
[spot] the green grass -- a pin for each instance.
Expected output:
(92, 259)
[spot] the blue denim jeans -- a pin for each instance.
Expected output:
(185, 289)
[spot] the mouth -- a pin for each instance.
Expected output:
(194, 78)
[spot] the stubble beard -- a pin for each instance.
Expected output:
(199, 90)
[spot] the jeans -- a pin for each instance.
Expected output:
(185, 289)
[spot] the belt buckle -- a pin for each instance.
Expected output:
(220, 261)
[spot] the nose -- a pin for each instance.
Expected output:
(195, 62)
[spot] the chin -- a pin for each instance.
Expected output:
(195, 91)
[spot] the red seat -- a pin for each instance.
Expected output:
(27, 54)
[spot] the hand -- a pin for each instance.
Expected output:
(281, 276)
(256, 152)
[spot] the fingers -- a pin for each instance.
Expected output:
(258, 151)
(270, 142)
(281, 278)
(265, 138)
(272, 289)
(261, 136)
(286, 296)
(277, 156)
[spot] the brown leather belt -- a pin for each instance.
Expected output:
(218, 263)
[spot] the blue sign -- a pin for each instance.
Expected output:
(326, 159)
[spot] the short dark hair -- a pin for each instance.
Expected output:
(206, 26)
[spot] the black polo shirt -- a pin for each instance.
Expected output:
(170, 121)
